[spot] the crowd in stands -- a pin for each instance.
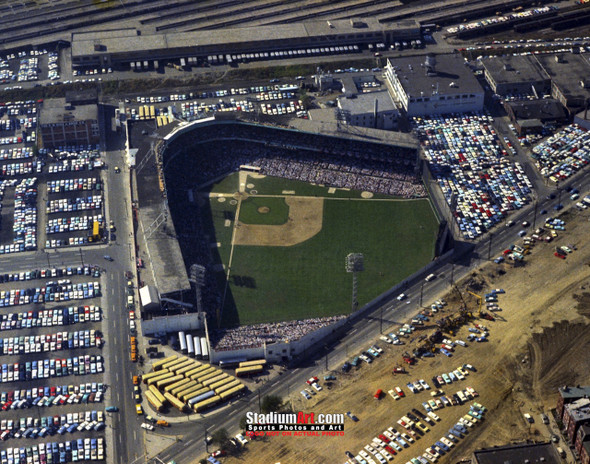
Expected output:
(254, 336)
(212, 151)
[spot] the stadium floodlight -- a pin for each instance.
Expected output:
(197, 277)
(355, 262)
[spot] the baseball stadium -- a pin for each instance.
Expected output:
(272, 214)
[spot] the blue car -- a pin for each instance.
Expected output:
(446, 352)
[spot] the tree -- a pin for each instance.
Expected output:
(271, 403)
(243, 422)
(221, 438)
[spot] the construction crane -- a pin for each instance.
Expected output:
(480, 299)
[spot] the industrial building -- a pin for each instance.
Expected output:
(569, 395)
(529, 453)
(575, 414)
(433, 85)
(516, 75)
(569, 79)
(374, 110)
(123, 46)
(65, 126)
(531, 116)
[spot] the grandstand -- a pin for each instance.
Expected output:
(317, 157)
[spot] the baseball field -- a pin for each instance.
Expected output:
(282, 246)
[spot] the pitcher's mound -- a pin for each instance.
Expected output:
(264, 210)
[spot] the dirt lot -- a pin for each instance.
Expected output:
(539, 341)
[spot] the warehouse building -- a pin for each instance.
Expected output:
(530, 453)
(516, 75)
(531, 116)
(569, 79)
(374, 110)
(433, 85)
(62, 125)
(123, 46)
(569, 395)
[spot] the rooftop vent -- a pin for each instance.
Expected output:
(330, 24)
(357, 23)
(558, 59)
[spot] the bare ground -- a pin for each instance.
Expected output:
(539, 342)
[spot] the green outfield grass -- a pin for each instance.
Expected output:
(309, 279)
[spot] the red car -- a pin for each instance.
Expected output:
(313, 380)
(384, 438)
(378, 394)
(390, 450)
(558, 255)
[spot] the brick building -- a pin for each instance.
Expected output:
(582, 436)
(585, 453)
(574, 415)
(569, 395)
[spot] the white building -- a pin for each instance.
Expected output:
(433, 85)
(375, 110)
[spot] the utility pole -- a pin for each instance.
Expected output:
(421, 293)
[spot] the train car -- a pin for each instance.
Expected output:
(182, 340)
(204, 348)
(180, 365)
(156, 404)
(246, 371)
(209, 375)
(215, 379)
(197, 344)
(164, 382)
(151, 375)
(173, 363)
(153, 380)
(193, 371)
(160, 364)
(175, 402)
(154, 391)
(199, 370)
(188, 368)
(231, 363)
(193, 392)
(178, 392)
(190, 347)
(227, 386)
(221, 382)
(203, 373)
(178, 384)
(257, 362)
(232, 391)
(198, 407)
(202, 397)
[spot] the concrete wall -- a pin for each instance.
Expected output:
(171, 324)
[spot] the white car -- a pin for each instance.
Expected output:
(306, 395)
(401, 296)
(316, 386)
(424, 384)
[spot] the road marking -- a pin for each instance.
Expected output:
(135, 435)
(353, 331)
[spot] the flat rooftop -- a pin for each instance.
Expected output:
(450, 76)
(567, 72)
(530, 453)
(362, 134)
(54, 111)
(125, 40)
(574, 392)
(364, 103)
(544, 109)
(511, 69)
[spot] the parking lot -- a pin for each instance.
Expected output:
(43, 366)
(479, 182)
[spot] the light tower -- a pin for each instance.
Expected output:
(355, 262)
(197, 277)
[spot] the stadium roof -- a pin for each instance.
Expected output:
(362, 134)
(450, 76)
(530, 453)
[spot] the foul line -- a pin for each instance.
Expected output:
(231, 255)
